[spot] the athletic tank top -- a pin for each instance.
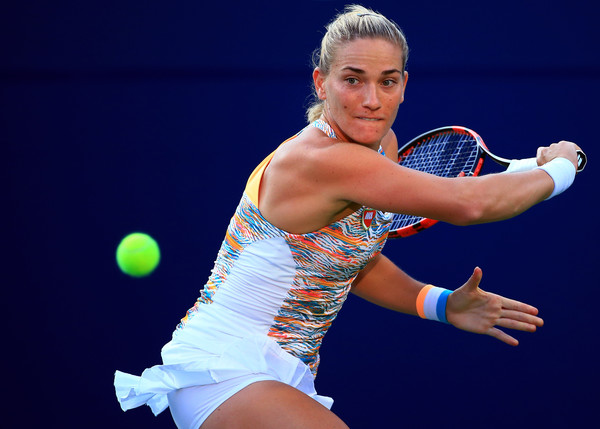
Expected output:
(289, 287)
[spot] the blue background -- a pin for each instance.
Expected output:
(122, 116)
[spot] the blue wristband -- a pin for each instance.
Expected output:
(441, 306)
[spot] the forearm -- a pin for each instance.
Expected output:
(499, 196)
(386, 285)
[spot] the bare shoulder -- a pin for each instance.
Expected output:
(313, 180)
(305, 148)
(315, 158)
(297, 191)
(318, 150)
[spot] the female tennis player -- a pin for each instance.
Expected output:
(309, 229)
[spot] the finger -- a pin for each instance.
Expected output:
(502, 336)
(511, 304)
(540, 154)
(519, 316)
(516, 325)
(473, 282)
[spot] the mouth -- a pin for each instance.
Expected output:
(369, 119)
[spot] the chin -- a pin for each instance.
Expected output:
(367, 139)
(370, 134)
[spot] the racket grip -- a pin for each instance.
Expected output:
(581, 160)
(517, 165)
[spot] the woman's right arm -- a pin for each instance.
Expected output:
(354, 173)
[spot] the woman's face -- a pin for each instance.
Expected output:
(363, 90)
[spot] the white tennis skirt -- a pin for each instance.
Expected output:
(198, 376)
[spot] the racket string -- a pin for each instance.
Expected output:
(448, 154)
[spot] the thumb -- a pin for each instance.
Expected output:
(473, 282)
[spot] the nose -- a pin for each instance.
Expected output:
(371, 97)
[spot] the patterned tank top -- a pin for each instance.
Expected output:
(289, 286)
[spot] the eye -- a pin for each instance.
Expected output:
(388, 82)
(352, 80)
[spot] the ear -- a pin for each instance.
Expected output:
(319, 81)
(404, 81)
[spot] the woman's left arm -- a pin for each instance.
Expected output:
(468, 308)
(383, 283)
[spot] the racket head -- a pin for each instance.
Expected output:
(451, 151)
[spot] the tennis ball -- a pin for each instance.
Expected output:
(138, 254)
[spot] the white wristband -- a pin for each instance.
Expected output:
(562, 171)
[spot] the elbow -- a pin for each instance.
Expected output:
(472, 207)
(481, 200)
(468, 215)
(471, 201)
(484, 208)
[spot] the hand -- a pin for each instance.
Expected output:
(562, 149)
(474, 310)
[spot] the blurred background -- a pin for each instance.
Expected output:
(123, 116)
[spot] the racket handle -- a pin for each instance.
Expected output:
(581, 160)
(527, 164)
(517, 165)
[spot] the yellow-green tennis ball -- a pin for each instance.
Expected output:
(138, 254)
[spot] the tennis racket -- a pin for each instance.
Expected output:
(450, 152)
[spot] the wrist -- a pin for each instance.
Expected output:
(431, 303)
(562, 171)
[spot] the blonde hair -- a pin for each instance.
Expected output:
(356, 22)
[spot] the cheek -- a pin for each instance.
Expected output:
(340, 99)
(346, 102)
